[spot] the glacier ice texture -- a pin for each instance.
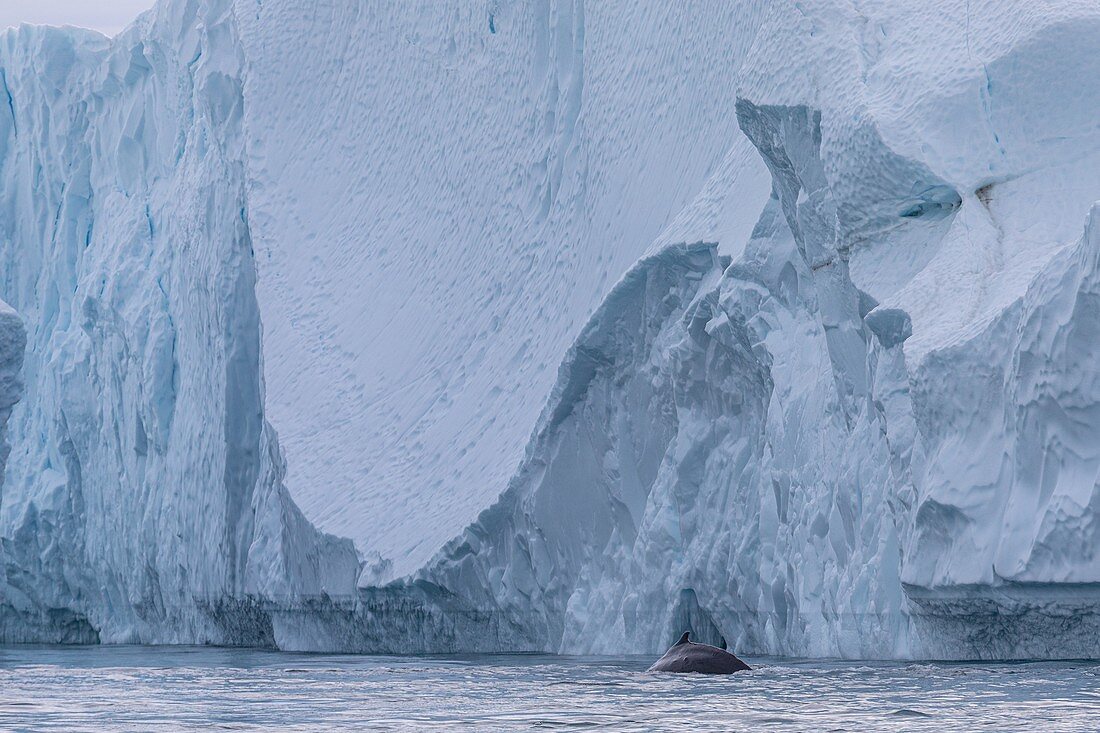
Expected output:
(558, 326)
(143, 498)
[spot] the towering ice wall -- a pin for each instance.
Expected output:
(143, 498)
(579, 324)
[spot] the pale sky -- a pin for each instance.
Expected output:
(107, 16)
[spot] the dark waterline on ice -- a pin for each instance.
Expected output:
(142, 688)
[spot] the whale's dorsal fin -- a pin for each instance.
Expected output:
(684, 639)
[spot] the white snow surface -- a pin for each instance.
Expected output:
(584, 323)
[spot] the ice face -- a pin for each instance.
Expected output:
(482, 192)
(785, 477)
(143, 499)
(13, 341)
(583, 323)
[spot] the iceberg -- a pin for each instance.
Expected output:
(143, 498)
(558, 326)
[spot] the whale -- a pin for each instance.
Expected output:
(687, 656)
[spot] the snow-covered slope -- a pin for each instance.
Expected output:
(583, 323)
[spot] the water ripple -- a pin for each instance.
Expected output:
(136, 688)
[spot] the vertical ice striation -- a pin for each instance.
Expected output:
(13, 341)
(1002, 556)
(143, 500)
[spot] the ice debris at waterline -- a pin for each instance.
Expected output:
(388, 327)
(685, 656)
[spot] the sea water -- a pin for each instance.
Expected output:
(198, 688)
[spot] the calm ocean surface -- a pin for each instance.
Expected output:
(187, 688)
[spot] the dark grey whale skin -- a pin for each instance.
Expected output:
(687, 656)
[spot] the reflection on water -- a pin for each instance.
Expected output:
(136, 688)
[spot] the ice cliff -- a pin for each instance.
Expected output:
(143, 499)
(578, 325)
(13, 341)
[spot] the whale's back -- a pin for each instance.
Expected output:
(687, 656)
